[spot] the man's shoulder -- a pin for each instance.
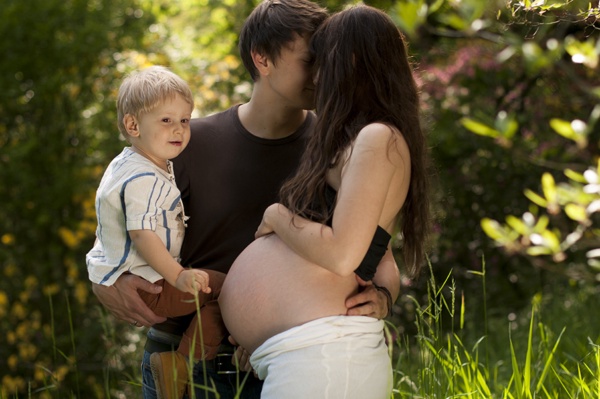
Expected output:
(214, 122)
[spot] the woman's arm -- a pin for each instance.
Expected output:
(388, 274)
(374, 163)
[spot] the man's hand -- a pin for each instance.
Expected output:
(124, 302)
(368, 302)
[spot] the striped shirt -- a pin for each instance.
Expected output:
(134, 194)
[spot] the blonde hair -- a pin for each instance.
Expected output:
(143, 90)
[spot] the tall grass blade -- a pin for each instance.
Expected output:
(548, 362)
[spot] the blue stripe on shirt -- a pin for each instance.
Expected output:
(127, 247)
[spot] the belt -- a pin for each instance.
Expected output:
(221, 364)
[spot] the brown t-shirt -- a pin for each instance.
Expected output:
(227, 178)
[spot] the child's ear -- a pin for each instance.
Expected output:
(131, 125)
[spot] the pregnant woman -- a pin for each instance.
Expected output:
(363, 178)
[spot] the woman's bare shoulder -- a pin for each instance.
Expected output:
(383, 137)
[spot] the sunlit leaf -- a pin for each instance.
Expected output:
(409, 16)
(506, 124)
(576, 212)
(551, 240)
(542, 224)
(549, 188)
(575, 176)
(517, 224)
(479, 128)
(534, 57)
(537, 251)
(564, 128)
(536, 198)
(582, 52)
(497, 232)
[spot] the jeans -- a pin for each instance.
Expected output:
(227, 385)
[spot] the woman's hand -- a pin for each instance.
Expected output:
(265, 227)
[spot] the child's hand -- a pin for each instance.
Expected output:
(192, 281)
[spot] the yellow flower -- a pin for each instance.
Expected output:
(72, 269)
(8, 239)
(23, 330)
(68, 237)
(11, 337)
(19, 311)
(12, 385)
(3, 303)
(39, 374)
(24, 296)
(12, 361)
(82, 292)
(27, 351)
(61, 373)
(10, 270)
(51, 289)
(31, 282)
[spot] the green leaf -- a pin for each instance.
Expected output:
(564, 128)
(536, 198)
(479, 128)
(497, 232)
(492, 228)
(551, 240)
(582, 52)
(575, 176)
(517, 224)
(409, 16)
(538, 251)
(506, 124)
(549, 188)
(576, 212)
(534, 57)
(542, 224)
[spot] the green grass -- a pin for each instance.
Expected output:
(548, 350)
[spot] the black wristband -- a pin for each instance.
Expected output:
(388, 295)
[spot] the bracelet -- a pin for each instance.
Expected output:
(388, 296)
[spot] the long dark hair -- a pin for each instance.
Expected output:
(363, 76)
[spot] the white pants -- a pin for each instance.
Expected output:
(336, 357)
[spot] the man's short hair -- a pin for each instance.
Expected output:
(275, 23)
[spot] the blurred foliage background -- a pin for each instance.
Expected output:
(511, 100)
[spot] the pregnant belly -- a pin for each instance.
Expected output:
(270, 289)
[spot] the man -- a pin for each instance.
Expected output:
(230, 172)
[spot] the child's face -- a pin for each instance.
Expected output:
(165, 131)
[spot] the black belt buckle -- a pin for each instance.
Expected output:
(224, 365)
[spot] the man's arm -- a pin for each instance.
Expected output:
(124, 302)
(371, 301)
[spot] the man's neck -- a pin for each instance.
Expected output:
(270, 121)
